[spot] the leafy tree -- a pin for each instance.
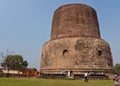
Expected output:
(15, 62)
(24, 65)
(117, 68)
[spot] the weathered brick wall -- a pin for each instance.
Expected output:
(75, 21)
(75, 42)
(76, 53)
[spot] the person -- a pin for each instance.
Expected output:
(71, 73)
(68, 73)
(86, 77)
(116, 79)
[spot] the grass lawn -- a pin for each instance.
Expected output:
(51, 82)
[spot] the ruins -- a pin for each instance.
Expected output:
(75, 43)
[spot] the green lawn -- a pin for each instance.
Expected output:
(52, 82)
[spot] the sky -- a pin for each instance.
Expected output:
(25, 25)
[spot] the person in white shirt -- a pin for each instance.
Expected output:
(86, 77)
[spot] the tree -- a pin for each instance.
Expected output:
(4, 54)
(24, 65)
(117, 68)
(15, 62)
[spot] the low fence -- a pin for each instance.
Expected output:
(57, 76)
(91, 76)
(53, 76)
(76, 76)
(15, 75)
(12, 75)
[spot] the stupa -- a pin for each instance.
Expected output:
(75, 43)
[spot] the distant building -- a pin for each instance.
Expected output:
(12, 71)
(1, 68)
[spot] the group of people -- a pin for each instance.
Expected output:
(115, 79)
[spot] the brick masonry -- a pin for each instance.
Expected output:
(75, 43)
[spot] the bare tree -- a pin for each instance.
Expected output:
(3, 56)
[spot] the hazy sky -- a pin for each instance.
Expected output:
(25, 25)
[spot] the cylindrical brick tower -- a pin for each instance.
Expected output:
(74, 21)
(75, 43)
